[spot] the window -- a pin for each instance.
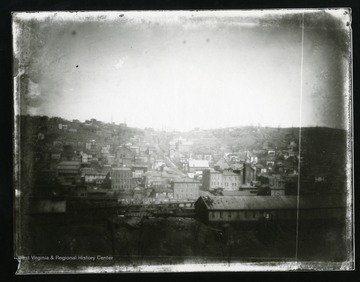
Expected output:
(221, 214)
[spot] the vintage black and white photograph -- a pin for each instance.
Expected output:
(183, 141)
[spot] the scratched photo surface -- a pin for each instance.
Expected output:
(167, 141)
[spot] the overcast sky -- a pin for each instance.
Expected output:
(181, 70)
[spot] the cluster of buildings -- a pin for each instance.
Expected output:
(155, 186)
(265, 171)
(95, 158)
(230, 179)
(77, 158)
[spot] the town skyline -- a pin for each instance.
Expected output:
(169, 129)
(185, 70)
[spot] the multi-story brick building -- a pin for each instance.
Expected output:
(185, 189)
(228, 179)
(121, 179)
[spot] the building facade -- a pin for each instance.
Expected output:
(185, 189)
(94, 177)
(253, 208)
(138, 171)
(196, 165)
(121, 179)
(227, 179)
(68, 172)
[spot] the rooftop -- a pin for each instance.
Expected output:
(237, 166)
(69, 163)
(163, 174)
(121, 169)
(162, 190)
(237, 193)
(230, 173)
(139, 165)
(94, 173)
(198, 163)
(269, 202)
(222, 163)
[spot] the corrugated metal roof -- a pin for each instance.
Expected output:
(237, 193)
(269, 202)
(121, 168)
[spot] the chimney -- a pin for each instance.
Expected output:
(246, 169)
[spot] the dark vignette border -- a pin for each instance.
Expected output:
(7, 264)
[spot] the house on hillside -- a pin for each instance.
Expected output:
(139, 171)
(124, 156)
(135, 149)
